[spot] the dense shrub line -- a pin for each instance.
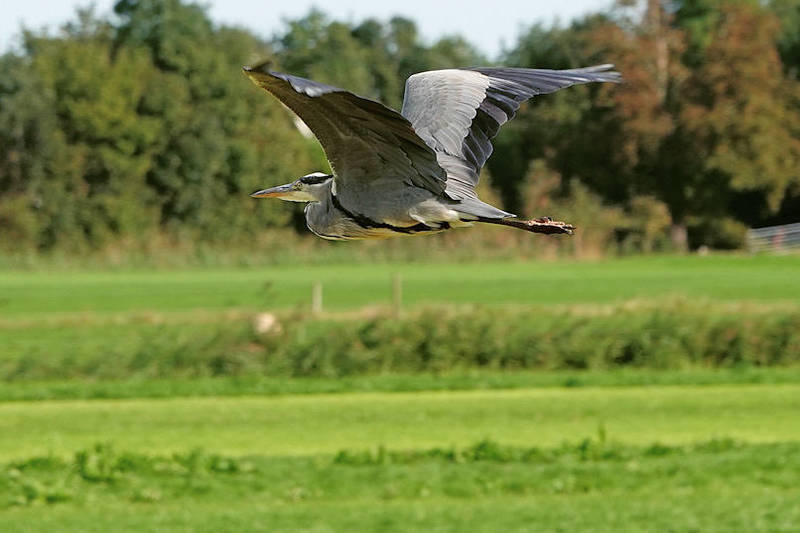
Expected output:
(440, 340)
(673, 336)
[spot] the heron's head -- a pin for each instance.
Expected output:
(310, 188)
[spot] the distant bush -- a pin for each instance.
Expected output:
(664, 335)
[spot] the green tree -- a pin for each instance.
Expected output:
(219, 137)
(32, 148)
(698, 124)
(81, 149)
(788, 12)
(742, 115)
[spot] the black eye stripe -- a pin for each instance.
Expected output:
(314, 180)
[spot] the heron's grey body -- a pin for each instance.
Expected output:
(410, 211)
(412, 172)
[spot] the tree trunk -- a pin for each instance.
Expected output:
(656, 21)
(679, 237)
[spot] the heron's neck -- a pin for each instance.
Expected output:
(322, 214)
(321, 191)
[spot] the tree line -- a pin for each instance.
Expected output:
(140, 125)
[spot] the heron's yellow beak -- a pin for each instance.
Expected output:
(291, 192)
(275, 192)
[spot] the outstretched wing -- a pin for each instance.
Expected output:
(458, 111)
(363, 139)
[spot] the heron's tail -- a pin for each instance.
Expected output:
(474, 209)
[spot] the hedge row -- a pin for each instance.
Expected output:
(434, 340)
(441, 340)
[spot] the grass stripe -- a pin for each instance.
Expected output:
(27, 295)
(468, 380)
(326, 423)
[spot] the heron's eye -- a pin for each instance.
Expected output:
(315, 178)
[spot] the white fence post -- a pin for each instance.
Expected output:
(316, 298)
(397, 294)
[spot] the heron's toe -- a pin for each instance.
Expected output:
(550, 226)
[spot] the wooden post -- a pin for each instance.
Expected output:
(397, 294)
(316, 298)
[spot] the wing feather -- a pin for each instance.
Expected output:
(363, 139)
(458, 111)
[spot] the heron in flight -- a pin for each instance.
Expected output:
(412, 172)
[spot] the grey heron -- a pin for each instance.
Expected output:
(412, 172)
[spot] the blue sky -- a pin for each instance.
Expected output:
(486, 24)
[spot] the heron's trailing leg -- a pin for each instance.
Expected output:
(538, 225)
(548, 225)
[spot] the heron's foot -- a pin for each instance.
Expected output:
(549, 226)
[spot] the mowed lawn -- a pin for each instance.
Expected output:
(748, 489)
(35, 295)
(728, 461)
(326, 423)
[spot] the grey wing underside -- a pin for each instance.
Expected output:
(363, 139)
(458, 111)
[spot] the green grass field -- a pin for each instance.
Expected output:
(680, 458)
(82, 295)
(479, 450)
(323, 424)
(474, 379)
(717, 486)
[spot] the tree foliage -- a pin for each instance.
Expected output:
(121, 130)
(706, 122)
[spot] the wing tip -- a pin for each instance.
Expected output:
(262, 68)
(260, 73)
(263, 73)
(603, 73)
